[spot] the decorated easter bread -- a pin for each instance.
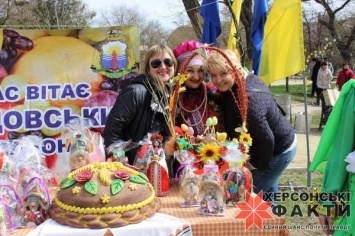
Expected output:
(104, 194)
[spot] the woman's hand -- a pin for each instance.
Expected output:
(327, 224)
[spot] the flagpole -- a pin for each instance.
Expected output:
(307, 130)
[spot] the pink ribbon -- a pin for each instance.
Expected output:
(210, 168)
(8, 213)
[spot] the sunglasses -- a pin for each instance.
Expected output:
(156, 63)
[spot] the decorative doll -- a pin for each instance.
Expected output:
(35, 210)
(190, 190)
(157, 169)
(78, 144)
(211, 192)
(80, 148)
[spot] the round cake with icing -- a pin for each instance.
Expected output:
(104, 194)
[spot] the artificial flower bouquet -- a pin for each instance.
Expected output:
(229, 156)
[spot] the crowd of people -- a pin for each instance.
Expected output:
(322, 72)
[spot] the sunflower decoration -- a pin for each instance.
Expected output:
(209, 152)
(244, 141)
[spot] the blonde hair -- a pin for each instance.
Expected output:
(157, 49)
(217, 61)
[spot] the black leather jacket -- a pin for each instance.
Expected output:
(132, 116)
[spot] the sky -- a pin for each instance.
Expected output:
(162, 10)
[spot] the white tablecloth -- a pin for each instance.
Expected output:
(159, 224)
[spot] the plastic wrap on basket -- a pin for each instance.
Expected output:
(36, 202)
(28, 156)
(238, 179)
(188, 180)
(211, 191)
(118, 150)
(11, 205)
(77, 133)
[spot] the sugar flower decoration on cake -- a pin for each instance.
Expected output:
(105, 199)
(76, 190)
(84, 176)
(121, 174)
(132, 186)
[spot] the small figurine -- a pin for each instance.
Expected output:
(190, 190)
(157, 169)
(35, 210)
(211, 192)
(80, 148)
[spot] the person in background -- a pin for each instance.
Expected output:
(311, 65)
(273, 137)
(138, 110)
(324, 78)
(315, 70)
(330, 65)
(200, 99)
(344, 75)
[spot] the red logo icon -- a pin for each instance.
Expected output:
(254, 210)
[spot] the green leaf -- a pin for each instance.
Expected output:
(65, 179)
(137, 180)
(143, 176)
(69, 183)
(91, 187)
(116, 186)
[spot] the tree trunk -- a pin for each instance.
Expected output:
(192, 8)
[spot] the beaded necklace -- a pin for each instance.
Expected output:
(182, 100)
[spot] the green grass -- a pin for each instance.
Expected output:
(296, 91)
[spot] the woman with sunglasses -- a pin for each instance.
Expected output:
(249, 106)
(138, 109)
(200, 100)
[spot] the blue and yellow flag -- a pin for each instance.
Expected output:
(232, 41)
(211, 22)
(257, 32)
(283, 49)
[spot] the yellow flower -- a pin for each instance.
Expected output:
(76, 190)
(132, 187)
(208, 152)
(105, 199)
(181, 78)
(245, 138)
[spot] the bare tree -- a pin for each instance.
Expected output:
(152, 32)
(45, 14)
(334, 10)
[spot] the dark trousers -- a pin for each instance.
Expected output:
(314, 87)
(319, 92)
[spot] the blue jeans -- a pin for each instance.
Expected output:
(267, 180)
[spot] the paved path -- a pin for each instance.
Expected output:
(307, 144)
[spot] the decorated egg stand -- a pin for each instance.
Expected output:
(188, 180)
